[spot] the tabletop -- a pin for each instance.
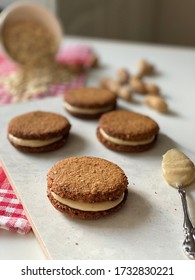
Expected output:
(175, 76)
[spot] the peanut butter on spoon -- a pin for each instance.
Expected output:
(178, 169)
(179, 172)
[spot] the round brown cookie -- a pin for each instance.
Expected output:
(87, 187)
(126, 131)
(38, 131)
(89, 102)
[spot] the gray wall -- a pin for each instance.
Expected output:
(158, 21)
(176, 22)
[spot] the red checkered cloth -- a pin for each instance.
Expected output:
(12, 216)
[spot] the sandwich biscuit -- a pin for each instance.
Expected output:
(86, 188)
(89, 103)
(38, 131)
(126, 131)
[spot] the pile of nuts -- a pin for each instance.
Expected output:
(125, 86)
(33, 47)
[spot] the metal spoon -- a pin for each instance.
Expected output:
(189, 230)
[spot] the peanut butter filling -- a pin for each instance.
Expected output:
(87, 111)
(178, 169)
(85, 206)
(32, 143)
(125, 142)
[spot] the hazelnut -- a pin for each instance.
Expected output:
(157, 103)
(137, 85)
(122, 76)
(144, 68)
(110, 84)
(125, 93)
(152, 89)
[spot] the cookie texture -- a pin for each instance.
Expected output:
(90, 98)
(41, 126)
(38, 125)
(127, 126)
(86, 179)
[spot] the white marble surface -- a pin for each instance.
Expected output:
(152, 218)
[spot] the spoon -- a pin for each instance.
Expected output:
(189, 230)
